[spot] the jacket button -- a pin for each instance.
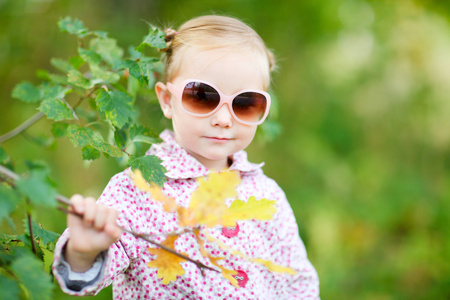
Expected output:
(230, 231)
(241, 278)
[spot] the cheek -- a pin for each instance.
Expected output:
(247, 134)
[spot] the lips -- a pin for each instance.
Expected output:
(218, 139)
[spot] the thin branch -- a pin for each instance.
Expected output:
(30, 228)
(21, 127)
(144, 237)
(64, 200)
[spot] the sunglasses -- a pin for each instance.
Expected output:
(200, 98)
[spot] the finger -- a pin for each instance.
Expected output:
(77, 203)
(100, 217)
(111, 227)
(90, 210)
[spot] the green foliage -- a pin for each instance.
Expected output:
(56, 110)
(28, 270)
(149, 167)
(47, 238)
(117, 107)
(155, 38)
(26, 92)
(37, 188)
(8, 201)
(89, 93)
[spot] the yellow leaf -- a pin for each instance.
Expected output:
(207, 205)
(253, 209)
(270, 265)
(226, 273)
(168, 264)
(274, 267)
(169, 204)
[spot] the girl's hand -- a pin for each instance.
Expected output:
(90, 235)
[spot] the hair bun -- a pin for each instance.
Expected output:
(170, 35)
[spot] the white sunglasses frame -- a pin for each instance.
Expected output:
(177, 91)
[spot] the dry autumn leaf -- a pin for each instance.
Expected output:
(207, 206)
(168, 264)
(226, 273)
(262, 209)
(273, 267)
(270, 265)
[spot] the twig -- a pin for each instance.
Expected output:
(64, 200)
(30, 228)
(21, 127)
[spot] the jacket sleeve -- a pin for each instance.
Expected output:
(108, 265)
(292, 252)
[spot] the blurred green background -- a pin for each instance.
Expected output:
(363, 155)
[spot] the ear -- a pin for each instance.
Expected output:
(164, 97)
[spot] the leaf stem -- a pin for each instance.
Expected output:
(19, 129)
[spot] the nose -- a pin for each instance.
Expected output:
(222, 117)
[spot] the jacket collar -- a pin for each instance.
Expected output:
(181, 165)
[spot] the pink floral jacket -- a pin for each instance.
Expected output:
(125, 263)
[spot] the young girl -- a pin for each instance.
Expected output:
(216, 77)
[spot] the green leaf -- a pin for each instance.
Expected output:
(80, 136)
(30, 272)
(116, 106)
(90, 153)
(135, 70)
(133, 53)
(90, 56)
(10, 288)
(107, 49)
(37, 188)
(120, 137)
(61, 64)
(8, 201)
(100, 34)
(146, 139)
(147, 69)
(26, 92)
(56, 110)
(83, 137)
(154, 39)
(151, 168)
(99, 144)
(100, 75)
(76, 61)
(59, 129)
(59, 79)
(46, 236)
(74, 26)
(76, 78)
(53, 91)
(136, 130)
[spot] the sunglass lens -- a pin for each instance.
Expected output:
(250, 106)
(200, 98)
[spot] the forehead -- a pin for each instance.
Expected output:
(230, 70)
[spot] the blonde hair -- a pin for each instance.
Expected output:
(215, 32)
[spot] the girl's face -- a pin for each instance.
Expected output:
(212, 139)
